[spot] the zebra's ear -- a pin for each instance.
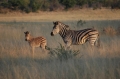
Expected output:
(56, 23)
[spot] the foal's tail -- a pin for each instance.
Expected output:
(47, 48)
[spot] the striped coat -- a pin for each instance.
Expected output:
(74, 37)
(35, 41)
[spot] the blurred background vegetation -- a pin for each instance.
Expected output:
(53, 5)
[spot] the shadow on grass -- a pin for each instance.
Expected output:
(29, 68)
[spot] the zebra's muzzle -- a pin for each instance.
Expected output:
(25, 39)
(52, 34)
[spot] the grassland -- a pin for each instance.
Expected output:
(84, 14)
(16, 60)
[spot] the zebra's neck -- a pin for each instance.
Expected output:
(63, 32)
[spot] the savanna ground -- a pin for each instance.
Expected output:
(16, 60)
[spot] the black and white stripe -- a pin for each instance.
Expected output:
(75, 37)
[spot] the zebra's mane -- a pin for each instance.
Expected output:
(66, 26)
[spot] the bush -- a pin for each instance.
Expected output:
(23, 4)
(80, 23)
(35, 5)
(45, 5)
(4, 4)
(115, 4)
(68, 3)
(110, 31)
(51, 5)
(61, 54)
(81, 2)
(54, 5)
(16, 4)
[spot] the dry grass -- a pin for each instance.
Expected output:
(27, 68)
(84, 14)
(110, 31)
(16, 60)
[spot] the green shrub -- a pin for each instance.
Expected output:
(5, 4)
(27, 10)
(61, 54)
(51, 5)
(23, 4)
(81, 2)
(110, 31)
(115, 4)
(68, 3)
(54, 5)
(80, 23)
(34, 5)
(45, 5)
(16, 4)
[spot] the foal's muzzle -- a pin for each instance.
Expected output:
(25, 39)
(52, 34)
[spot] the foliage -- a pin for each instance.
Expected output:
(68, 3)
(62, 54)
(80, 2)
(115, 4)
(35, 5)
(80, 23)
(110, 31)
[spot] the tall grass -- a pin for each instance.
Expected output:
(110, 31)
(16, 60)
(88, 68)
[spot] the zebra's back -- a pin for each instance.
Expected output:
(82, 36)
(38, 41)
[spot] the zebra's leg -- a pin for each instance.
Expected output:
(97, 42)
(43, 47)
(67, 46)
(92, 40)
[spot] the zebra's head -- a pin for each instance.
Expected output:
(58, 26)
(27, 35)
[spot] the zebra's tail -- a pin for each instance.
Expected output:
(98, 40)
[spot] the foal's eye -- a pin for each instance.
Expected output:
(54, 27)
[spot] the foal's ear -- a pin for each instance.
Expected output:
(54, 23)
(26, 32)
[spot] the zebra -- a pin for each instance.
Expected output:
(74, 37)
(35, 42)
